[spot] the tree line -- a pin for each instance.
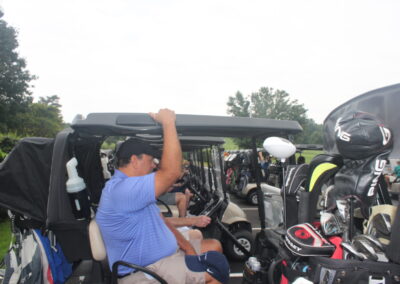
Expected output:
(274, 104)
(20, 116)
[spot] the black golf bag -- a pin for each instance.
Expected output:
(365, 143)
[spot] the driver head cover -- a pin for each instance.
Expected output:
(212, 262)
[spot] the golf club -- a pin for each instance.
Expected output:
(352, 251)
(362, 246)
(376, 245)
(330, 224)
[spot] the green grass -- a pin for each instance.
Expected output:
(230, 144)
(309, 154)
(5, 237)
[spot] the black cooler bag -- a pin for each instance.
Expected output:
(328, 270)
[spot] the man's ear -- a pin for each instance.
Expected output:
(134, 161)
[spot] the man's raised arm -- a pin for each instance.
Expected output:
(170, 167)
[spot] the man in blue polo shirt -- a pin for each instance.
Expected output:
(129, 219)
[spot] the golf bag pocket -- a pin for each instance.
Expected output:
(328, 270)
(305, 240)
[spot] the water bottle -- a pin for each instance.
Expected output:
(254, 264)
(77, 192)
(104, 164)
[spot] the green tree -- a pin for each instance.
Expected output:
(7, 142)
(312, 133)
(238, 105)
(15, 80)
(274, 104)
(43, 119)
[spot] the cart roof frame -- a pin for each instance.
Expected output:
(115, 124)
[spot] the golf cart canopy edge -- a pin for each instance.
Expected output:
(196, 125)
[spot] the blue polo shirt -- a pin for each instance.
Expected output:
(130, 222)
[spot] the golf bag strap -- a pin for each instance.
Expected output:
(393, 250)
(303, 207)
(291, 211)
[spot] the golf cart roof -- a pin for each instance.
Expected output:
(200, 140)
(384, 103)
(197, 125)
(302, 147)
(187, 142)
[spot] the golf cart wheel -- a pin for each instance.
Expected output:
(252, 197)
(246, 239)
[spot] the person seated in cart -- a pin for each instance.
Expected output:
(181, 200)
(132, 226)
(396, 171)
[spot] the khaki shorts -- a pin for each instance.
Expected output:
(172, 269)
(196, 243)
(168, 198)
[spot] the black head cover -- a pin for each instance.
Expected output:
(360, 135)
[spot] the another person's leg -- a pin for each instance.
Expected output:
(387, 180)
(181, 203)
(188, 195)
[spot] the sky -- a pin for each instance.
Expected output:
(190, 56)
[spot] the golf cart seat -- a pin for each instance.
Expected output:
(99, 254)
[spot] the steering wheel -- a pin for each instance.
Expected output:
(169, 211)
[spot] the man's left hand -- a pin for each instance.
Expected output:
(201, 221)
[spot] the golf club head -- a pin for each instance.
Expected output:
(330, 224)
(343, 209)
(350, 250)
(378, 246)
(326, 201)
(383, 223)
(362, 246)
(380, 227)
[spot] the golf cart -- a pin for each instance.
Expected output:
(344, 228)
(34, 185)
(205, 181)
(248, 188)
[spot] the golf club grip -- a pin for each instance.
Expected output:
(393, 250)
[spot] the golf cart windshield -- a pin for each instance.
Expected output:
(203, 154)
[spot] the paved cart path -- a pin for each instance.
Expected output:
(252, 215)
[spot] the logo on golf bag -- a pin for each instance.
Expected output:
(343, 135)
(379, 166)
(302, 234)
(291, 245)
(386, 135)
